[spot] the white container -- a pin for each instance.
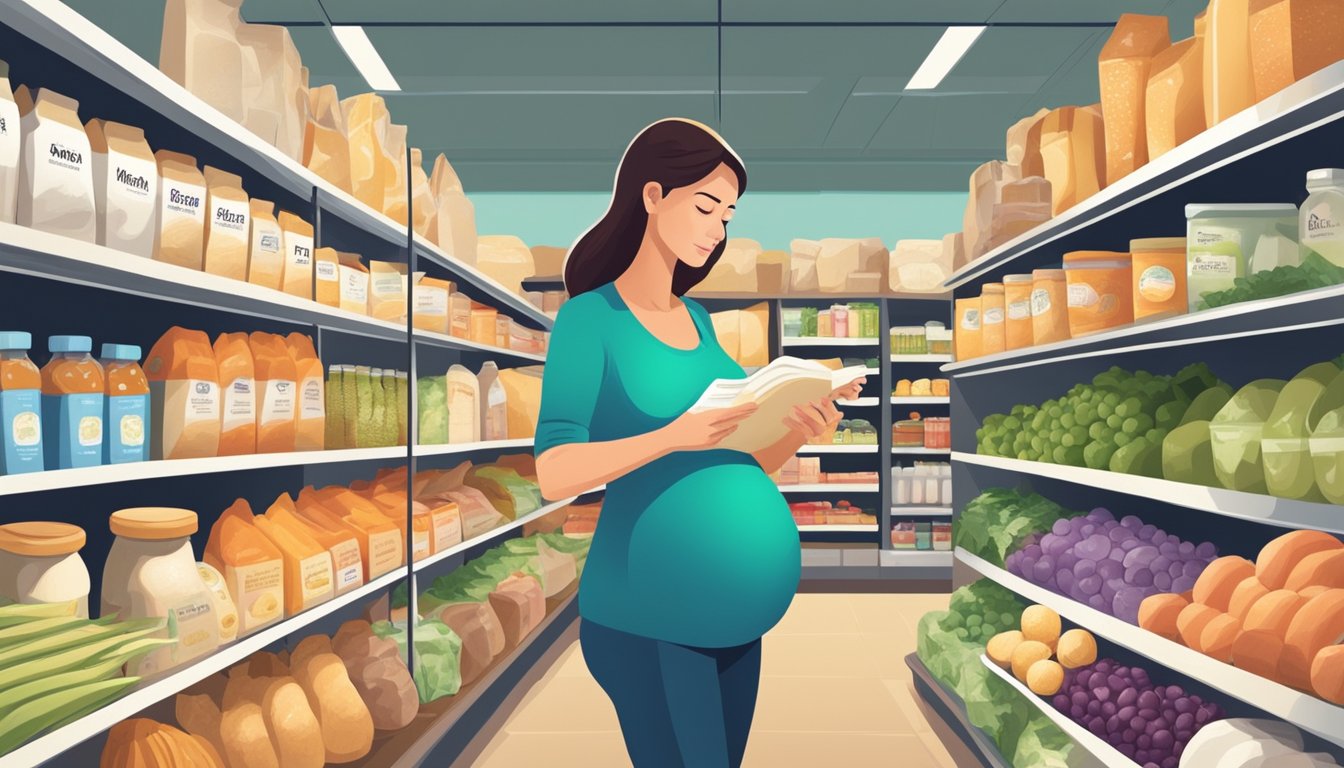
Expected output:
(151, 573)
(1224, 242)
(1321, 220)
(947, 492)
(40, 563)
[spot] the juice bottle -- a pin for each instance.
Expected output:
(72, 404)
(20, 406)
(126, 405)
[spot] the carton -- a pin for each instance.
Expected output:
(326, 150)
(228, 230)
(11, 149)
(327, 277)
(55, 190)
(265, 256)
(200, 51)
(180, 236)
(431, 304)
(1174, 101)
(494, 403)
(454, 226)
(296, 237)
(1123, 72)
(522, 393)
(125, 185)
(387, 290)
(354, 277)
(464, 414)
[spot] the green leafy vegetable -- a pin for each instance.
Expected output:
(1313, 272)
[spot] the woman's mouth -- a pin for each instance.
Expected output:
(704, 250)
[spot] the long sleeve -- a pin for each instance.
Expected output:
(575, 365)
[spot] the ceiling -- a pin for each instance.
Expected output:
(544, 94)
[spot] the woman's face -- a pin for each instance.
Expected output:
(691, 221)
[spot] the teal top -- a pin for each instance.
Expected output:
(697, 547)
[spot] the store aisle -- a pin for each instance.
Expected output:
(834, 691)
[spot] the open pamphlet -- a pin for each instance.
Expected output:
(778, 387)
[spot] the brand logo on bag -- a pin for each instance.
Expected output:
(225, 216)
(270, 242)
(4, 129)
(132, 180)
(178, 198)
(282, 387)
(66, 154)
(1317, 222)
(203, 387)
(302, 254)
(241, 387)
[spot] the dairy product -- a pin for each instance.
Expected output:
(151, 573)
(266, 261)
(1159, 277)
(1225, 242)
(220, 601)
(354, 277)
(125, 186)
(1017, 311)
(252, 566)
(297, 255)
(1321, 219)
(180, 235)
(238, 395)
(1123, 69)
(341, 545)
(184, 396)
(1049, 306)
(1174, 100)
(72, 404)
(125, 405)
(277, 393)
(310, 409)
(1100, 291)
(11, 148)
(55, 192)
(20, 406)
(228, 229)
(40, 563)
(307, 567)
(327, 277)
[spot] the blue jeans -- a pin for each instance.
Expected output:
(679, 706)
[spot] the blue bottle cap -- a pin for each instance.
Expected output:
(16, 340)
(121, 352)
(69, 344)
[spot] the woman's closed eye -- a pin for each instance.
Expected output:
(702, 210)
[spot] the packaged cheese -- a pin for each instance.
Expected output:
(307, 566)
(1174, 101)
(364, 115)
(1291, 39)
(238, 399)
(184, 393)
(423, 204)
(276, 386)
(394, 177)
(200, 51)
(327, 277)
(340, 543)
(228, 230)
(125, 185)
(265, 259)
(431, 304)
(310, 410)
(464, 412)
(326, 150)
(180, 236)
(1024, 144)
(252, 567)
(55, 191)
(454, 225)
(1229, 82)
(1123, 73)
(505, 258)
(296, 249)
(11, 148)
(354, 277)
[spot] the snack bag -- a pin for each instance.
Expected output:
(238, 400)
(277, 387)
(184, 394)
(228, 229)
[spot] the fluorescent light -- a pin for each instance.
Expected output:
(365, 57)
(954, 44)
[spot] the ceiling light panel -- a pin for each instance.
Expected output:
(954, 44)
(365, 57)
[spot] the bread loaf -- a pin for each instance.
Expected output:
(1244, 596)
(242, 729)
(1319, 623)
(519, 603)
(1280, 556)
(295, 733)
(1123, 69)
(1174, 100)
(347, 726)
(1291, 39)
(1024, 144)
(1327, 674)
(1220, 579)
(378, 673)
(1229, 85)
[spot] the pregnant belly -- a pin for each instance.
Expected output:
(713, 559)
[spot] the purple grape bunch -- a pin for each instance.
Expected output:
(1108, 564)
(1148, 724)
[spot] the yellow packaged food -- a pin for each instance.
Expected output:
(252, 567)
(184, 394)
(180, 238)
(307, 566)
(967, 335)
(265, 259)
(1100, 291)
(277, 393)
(326, 150)
(991, 318)
(1049, 306)
(238, 395)
(1017, 311)
(340, 543)
(431, 304)
(228, 224)
(327, 277)
(364, 115)
(297, 255)
(310, 424)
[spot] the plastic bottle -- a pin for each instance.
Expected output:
(1321, 220)
(20, 406)
(126, 405)
(72, 404)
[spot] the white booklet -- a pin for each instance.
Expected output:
(778, 387)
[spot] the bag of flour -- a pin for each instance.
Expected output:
(125, 187)
(366, 119)
(394, 179)
(180, 235)
(327, 277)
(200, 51)
(277, 104)
(11, 147)
(265, 262)
(56, 182)
(228, 230)
(354, 284)
(422, 199)
(326, 150)
(454, 226)
(297, 247)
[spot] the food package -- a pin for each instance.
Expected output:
(1229, 81)
(955, 244)
(308, 573)
(1073, 151)
(437, 656)
(432, 406)
(560, 569)
(1029, 189)
(1024, 144)
(754, 336)
(520, 605)
(387, 290)
(803, 266)
(228, 229)
(395, 205)
(11, 149)
(478, 516)
(340, 543)
(506, 259)
(365, 117)
(1174, 99)
(378, 673)
(276, 102)
(334, 439)
(185, 396)
(238, 402)
(55, 190)
(381, 544)
(986, 186)
(772, 273)
(454, 226)
(180, 236)
(252, 566)
(493, 403)
(327, 277)
(354, 278)
(481, 633)
(919, 266)
(326, 150)
(347, 725)
(1009, 220)
(1123, 69)
(1236, 432)
(1285, 447)
(431, 304)
(297, 255)
(221, 602)
(277, 392)
(837, 258)
(507, 492)
(1291, 39)
(522, 394)
(310, 407)
(265, 260)
(423, 204)
(125, 184)
(200, 51)
(735, 271)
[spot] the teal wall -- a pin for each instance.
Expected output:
(772, 218)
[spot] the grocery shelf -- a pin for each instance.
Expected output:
(447, 449)
(837, 449)
(920, 511)
(482, 282)
(921, 358)
(56, 257)
(908, 400)
(55, 479)
(495, 533)
(1094, 745)
(52, 744)
(861, 528)
(443, 340)
(917, 559)
(952, 711)
(825, 341)
(859, 402)
(1303, 710)
(920, 450)
(1255, 507)
(1300, 107)
(831, 487)
(872, 372)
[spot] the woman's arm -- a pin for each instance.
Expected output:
(804, 423)
(772, 457)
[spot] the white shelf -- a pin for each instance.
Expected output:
(1215, 148)
(921, 358)
(915, 558)
(448, 449)
(837, 449)
(919, 511)
(831, 487)
(1259, 508)
(435, 339)
(495, 533)
(1091, 743)
(919, 450)
(1303, 710)
(47, 747)
(56, 479)
(826, 341)
(908, 400)
(859, 402)
(483, 282)
(872, 528)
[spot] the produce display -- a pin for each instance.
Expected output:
(921, 535)
(492, 404)
(998, 522)
(1038, 653)
(1314, 272)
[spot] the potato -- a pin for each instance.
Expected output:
(1041, 624)
(1045, 677)
(1028, 652)
(1077, 648)
(1001, 646)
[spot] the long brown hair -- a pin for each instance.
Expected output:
(674, 153)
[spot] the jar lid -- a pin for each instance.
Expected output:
(1196, 210)
(1325, 177)
(121, 352)
(1016, 279)
(16, 340)
(1157, 244)
(153, 523)
(41, 539)
(1047, 274)
(69, 344)
(1088, 257)
(991, 288)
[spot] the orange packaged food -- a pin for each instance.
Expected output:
(310, 423)
(72, 404)
(991, 318)
(393, 504)
(184, 395)
(1100, 291)
(1158, 271)
(1016, 311)
(1049, 306)
(238, 397)
(382, 542)
(967, 336)
(251, 565)
(340, 543)
(277, 383)
(307, 565)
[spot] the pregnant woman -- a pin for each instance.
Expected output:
(696, 555)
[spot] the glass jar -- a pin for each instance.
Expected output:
(20, 406)
(1321, 221)
(1159, 278)
(40, 563)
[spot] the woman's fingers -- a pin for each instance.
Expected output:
(733, 415)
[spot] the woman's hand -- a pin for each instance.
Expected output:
(813, 419)
(705, 429)
(850, 390)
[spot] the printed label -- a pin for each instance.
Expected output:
(315, 579)
(1320, 224)
(1212, 265)
(126, 418)
(993, 316)
(223, 603)
(277, 401)
(301, 251)
(240, 404)
(312, 404)
(21, 413)
(354, 286)
(419, 544)
(1040, 302)
(970, 321)
(1157, 284)
(183, 199)
(446, 525)
(68, 157)
(268, 242)
(431, 301)
(132, 175)
(231, 216)
(258, 591)
(90, 431)
(203, 401)
(325, 270)
(383, 283)
(348, 565)
(385, 552)
(1019, 310)
(1083, 295)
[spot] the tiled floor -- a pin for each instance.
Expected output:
(835, 691)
